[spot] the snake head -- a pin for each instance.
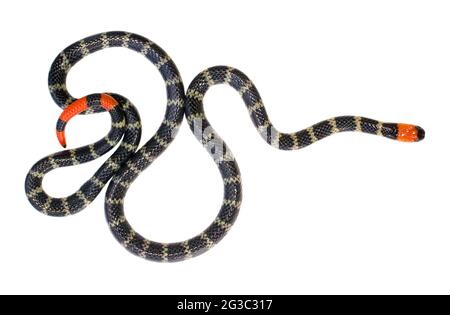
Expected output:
(80, 105)
(410, 133)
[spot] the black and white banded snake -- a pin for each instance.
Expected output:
(127, 162)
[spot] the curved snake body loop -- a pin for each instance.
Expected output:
(123, 112)
(126, 163)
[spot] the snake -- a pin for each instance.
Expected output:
(128, 160)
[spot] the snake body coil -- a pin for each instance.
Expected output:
(122, 168)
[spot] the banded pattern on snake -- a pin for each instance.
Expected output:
(126, 163)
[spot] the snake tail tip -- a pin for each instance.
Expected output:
(61, 138)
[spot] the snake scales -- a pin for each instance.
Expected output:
(127, 162)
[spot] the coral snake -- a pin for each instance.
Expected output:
(127, 162)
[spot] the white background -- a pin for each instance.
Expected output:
(353, 213)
